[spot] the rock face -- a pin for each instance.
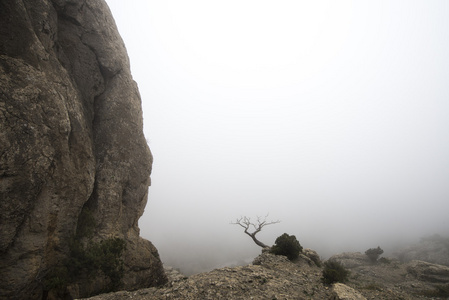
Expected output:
(425, 271)
(312, 255)
(74, 164)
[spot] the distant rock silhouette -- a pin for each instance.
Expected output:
(433, 249)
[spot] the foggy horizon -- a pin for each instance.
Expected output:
(331, 117)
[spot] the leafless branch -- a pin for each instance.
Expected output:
(245, 222)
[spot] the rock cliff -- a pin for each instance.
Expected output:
(74, 164)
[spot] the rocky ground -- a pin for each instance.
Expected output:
(391, 279)
(269, 277)
(275, 277)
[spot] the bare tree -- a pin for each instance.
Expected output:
(246, 223)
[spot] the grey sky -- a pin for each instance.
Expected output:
(330, 116)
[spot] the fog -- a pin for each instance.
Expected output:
(331, 116)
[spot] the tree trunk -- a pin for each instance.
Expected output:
(258, 243)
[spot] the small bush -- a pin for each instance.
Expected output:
(104, 256)
(287, 245)
(56, 279)
(373, 287)
(374, 253)
(334, 272)
(384, 260)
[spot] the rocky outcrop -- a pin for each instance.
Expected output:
(341, 291)
(425, 271)
(312, 255)
(271, 277)
(351, 259)
(74, 164)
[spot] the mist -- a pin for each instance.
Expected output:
(331, 117)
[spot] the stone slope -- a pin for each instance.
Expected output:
(71, 146)
(271, 277)
(275, 277)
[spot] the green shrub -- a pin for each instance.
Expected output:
(104, 257)
(334, 272)
(57, 278)
(373, 286)
(374, 253)
(107, 255)
(384, 260)
(287, 245)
